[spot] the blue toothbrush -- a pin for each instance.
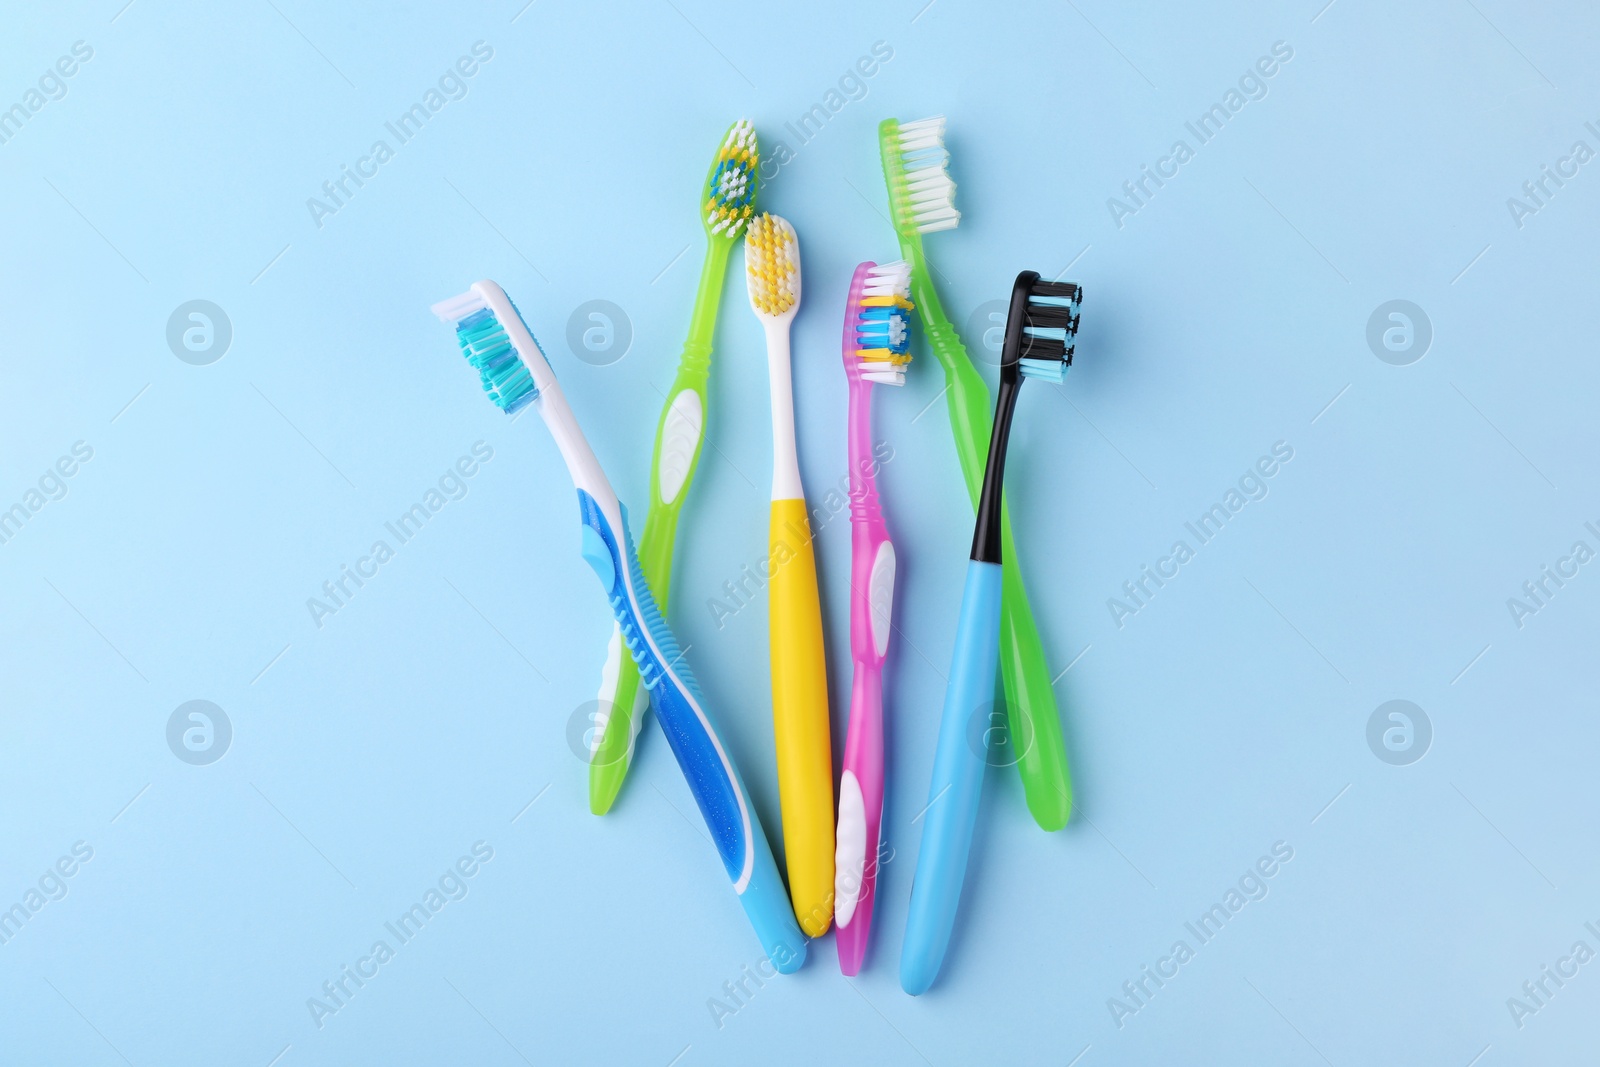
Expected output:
(1040, 329)
(498, 344)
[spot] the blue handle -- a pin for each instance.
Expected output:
(958, 766)
(722, 798)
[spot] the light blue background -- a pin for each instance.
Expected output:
(425, 716)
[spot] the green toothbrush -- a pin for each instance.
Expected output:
(922, 200)
(730, 202)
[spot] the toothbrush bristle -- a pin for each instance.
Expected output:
(1050, 330)
(487, 346)
(730, 198)
(455, 309)
(921, 193)
(772, 265)
(889, 279)
(883, 323)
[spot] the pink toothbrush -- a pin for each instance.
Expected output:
(875, 342)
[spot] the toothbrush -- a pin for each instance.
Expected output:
(1040, 328)
(922, 200)
(800, 724)
(730, 191)
(876, 336)
(498, 344)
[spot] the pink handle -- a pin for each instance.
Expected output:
(863, 775)
(861, 784)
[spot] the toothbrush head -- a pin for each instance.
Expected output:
(1041, 328)
(878, 323)
(493, 347)
(731, 185)
(922, 198)
(772, 267)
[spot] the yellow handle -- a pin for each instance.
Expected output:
(800, 723)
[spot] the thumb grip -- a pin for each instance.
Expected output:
(623, 701)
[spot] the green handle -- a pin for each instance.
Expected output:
(1030, 696)
(609, 763)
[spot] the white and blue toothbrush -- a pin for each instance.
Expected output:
(499, 345)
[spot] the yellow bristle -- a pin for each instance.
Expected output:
(770, 256)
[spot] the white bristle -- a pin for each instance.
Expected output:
(889, 279)
(456, 308)
(929, 189)
(743, 135)
(732, 184)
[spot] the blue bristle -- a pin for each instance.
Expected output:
(883, 327)
(745, 197)
(487, 347)
(1046, 370)
(1049, 367)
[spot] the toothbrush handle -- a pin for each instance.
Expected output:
(679, 434)
(1030, 697)
(720, 796)
(800, 720)
(620, 707)
(861, 785)
(958, 766)
(718, 790)
(860, 817)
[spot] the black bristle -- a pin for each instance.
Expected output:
(1066, 290)
(1052, 317)
(1044, 348)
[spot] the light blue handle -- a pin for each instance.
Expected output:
(718, 790)
(958, 765)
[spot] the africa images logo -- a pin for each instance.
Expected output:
(199, 732)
